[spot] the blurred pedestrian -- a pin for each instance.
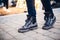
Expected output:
(6, 5)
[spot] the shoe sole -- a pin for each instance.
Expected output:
(47, 28)
(29, 29)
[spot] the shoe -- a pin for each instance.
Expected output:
(49, 22)
(30, 24)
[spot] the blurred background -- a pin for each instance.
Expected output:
(19, 6)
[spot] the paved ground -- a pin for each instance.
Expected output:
(9, 25)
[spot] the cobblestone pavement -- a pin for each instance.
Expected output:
(9, 25)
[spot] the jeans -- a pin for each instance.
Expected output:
(31, 7)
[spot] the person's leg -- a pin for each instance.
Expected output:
(31, 7)
(6, 4)
(47, 6)
(31, 23)
(49, 16)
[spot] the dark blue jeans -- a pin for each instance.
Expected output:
(31, 7)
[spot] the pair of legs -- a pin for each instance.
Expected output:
(31, 22)
(5, 3)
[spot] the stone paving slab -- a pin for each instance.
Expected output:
(10, 24)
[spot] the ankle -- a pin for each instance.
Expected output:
(47, 14)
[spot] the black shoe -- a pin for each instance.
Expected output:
(30, 24)
(49, 23)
